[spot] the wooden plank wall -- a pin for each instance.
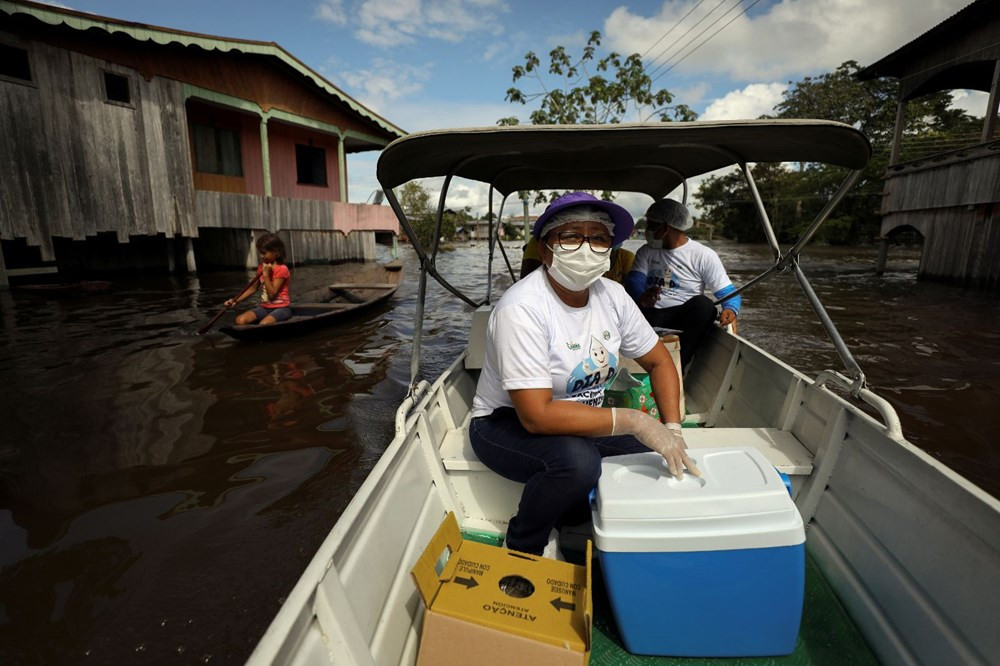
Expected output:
(320, 246)
(961, 178)
(246, 211)
(963, 246)
(226, 210)
(954, 200)
(311, 228)
(85, 166)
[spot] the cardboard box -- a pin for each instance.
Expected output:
(543, 618)
(641, 397)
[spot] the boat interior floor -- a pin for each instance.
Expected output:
(827, 635)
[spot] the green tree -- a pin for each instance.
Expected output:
(416, 203)
(588, 90)
(794, 197)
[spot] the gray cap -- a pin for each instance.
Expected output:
(671, 213)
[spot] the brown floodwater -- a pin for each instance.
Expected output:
(160, 492)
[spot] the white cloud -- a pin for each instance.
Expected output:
(692, 95)
(331, 11)
(789, 39)
(972, 102)
(396, 22)
(494, 49)
(379, 84)
(431, 115)
(752, 101)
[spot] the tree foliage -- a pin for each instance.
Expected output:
(416, 203)
(794, 197)
(588, 90)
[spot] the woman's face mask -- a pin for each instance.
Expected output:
(577, 269)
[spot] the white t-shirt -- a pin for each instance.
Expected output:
(683, 273)
(534, 340)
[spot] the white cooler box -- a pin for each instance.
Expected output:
(701, 567)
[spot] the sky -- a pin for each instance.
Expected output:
(429, 64)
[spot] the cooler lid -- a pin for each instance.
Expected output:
(734, 481)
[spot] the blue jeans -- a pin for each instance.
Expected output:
(558, 473)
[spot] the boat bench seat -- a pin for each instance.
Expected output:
(780, 447)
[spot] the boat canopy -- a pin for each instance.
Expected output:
(652, 158)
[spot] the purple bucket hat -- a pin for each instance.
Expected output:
(621, 218)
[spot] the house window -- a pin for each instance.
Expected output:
(310, 165)
(217, 150)
(117, 88)
(14, 63)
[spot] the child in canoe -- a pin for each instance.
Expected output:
(275, 304)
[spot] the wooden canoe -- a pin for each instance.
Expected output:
(328, 305)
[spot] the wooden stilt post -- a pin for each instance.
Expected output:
(192, 267)
(897, 135)
(4, 284)
(883, 255)
(171, 262)
(251, 260)
(990, 121)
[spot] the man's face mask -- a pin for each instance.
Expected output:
(654, 236)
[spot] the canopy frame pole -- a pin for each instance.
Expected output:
(765, 221)
(846, 357)
(752, 184)
(807, 235)
(427, 266)
(841, 192)
(496, 235)
(490, 244)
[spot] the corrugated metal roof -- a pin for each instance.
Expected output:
(953, 27)
(163, 36)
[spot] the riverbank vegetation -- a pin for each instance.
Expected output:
(614, 89)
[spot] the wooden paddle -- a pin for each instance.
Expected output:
(205, 329)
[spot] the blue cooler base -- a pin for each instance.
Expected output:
(729, 603)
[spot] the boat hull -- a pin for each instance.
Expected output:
(910, 548)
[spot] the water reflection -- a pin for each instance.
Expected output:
(159, 491)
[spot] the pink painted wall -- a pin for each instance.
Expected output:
(281, 146)
(354, 217)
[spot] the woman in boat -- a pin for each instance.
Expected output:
(553, 343)
(670, 274)
(275, 279)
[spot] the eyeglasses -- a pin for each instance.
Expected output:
(571, 240)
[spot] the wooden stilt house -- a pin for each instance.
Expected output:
(133, 146)
(950, 195)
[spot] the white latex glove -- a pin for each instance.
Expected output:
(664, 439)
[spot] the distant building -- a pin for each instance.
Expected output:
(952, 197)
(134, 146)
(476, 230)
(522, 228)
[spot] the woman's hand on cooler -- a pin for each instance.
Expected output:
(664, 439)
